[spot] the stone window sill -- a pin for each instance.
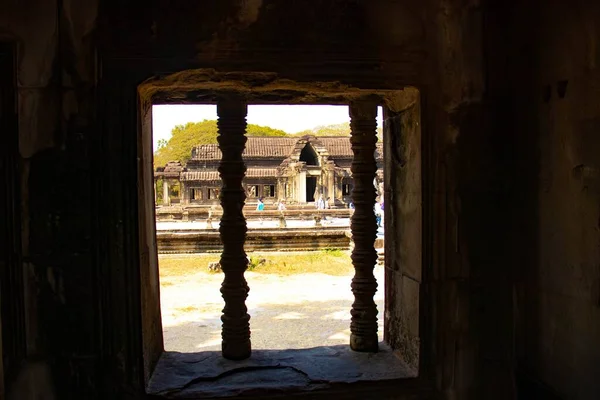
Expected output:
(274, 372)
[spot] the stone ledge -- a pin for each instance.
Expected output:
(207, 374)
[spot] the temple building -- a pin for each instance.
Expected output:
(294, 169)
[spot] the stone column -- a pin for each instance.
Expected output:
(184, 192)
(232, 140)
(166, 197)
(302, 187)
(331, 184)
(363, 126)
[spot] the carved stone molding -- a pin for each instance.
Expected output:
(363, 127)
(232, 140)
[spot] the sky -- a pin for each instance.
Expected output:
(290, 118)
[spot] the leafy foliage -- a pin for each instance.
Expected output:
(185, 137)
(342, 129)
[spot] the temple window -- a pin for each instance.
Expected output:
(196, 194)
(253, 191)
(351, 168)
(269, 190)
(213, 193)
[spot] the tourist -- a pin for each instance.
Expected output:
(281, 205)
(320, 203)
(378, 213)
(260, 206)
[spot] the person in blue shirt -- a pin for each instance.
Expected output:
(260, 207)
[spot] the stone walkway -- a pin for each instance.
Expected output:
(287, 312)
(253, 224)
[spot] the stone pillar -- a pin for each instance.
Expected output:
(279, 190)
(166, 197)
(232, 140)
(331, 185)
(363, 126)
(301, 194)
(184, 193)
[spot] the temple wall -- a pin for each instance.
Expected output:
(557, 270)
(403, 210)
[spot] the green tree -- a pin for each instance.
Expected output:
(161, 143)
(185, 137)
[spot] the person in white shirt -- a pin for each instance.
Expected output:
(320, 203)
(281, 205)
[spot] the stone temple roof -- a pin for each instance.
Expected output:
(260, 147)
(171, 170)
(257, 147)
(213, 175)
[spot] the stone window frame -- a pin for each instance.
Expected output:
(196, 191)
(256, 193)
(212, 192)
(270, 192)
(211, 96)
(127, 96)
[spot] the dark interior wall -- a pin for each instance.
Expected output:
(463, 194)
(558, 273)
(55, 80)
(402, 213)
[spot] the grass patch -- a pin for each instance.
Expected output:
(329, 261)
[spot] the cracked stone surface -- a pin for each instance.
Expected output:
(180, 375)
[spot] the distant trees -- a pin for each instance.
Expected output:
(185, 137)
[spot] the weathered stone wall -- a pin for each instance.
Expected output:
(55, 77)
(402, 213)
(557, 205)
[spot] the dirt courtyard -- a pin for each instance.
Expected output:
(291, 311)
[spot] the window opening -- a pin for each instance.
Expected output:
(253, 191)
(269, 190)
(213, 193)
(294, 196)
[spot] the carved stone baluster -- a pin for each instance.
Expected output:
(363, 125)
(232, 140)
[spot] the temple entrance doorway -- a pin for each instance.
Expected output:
(311, 187)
